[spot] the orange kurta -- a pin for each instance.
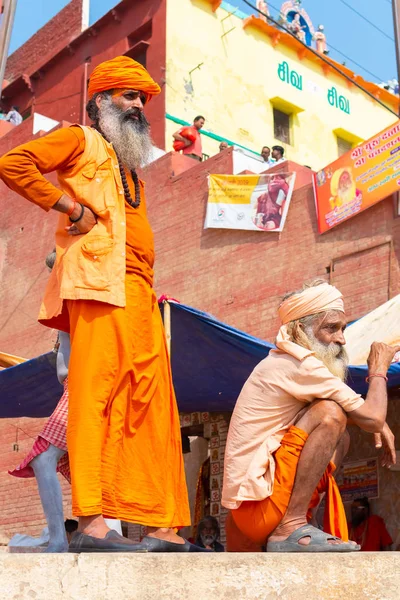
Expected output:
(124, 437)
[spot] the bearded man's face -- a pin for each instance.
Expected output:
(122, 121)
(326, 340)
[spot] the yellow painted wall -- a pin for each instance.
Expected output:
(239, 77)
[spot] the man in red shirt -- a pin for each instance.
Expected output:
(192, 149)
(368, 530)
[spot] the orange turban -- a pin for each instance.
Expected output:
(122, 72)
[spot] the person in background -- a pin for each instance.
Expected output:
(223, 146)
(369, 531)
(278, 154)
(49, 454)
(266, 154)
(208, 534)
(70, 527)
(13, 116)
(192, 149)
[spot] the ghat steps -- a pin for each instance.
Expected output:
(366, 576)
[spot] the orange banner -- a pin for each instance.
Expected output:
(358, 179)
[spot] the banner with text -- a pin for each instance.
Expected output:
(358, 179)
(250, 202)
(359, 479)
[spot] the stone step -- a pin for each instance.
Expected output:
(360, 576)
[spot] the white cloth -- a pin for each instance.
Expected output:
(14, 117)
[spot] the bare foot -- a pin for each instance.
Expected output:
(94, 526)
(288, 526)
(165, 533)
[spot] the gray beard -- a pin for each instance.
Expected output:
(130, 138)
(208, 540)
(334, 356)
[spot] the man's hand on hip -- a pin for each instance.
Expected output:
(84, 218)
(385, 440)
(85, 223)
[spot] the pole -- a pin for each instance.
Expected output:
(396, 27)
(7, 23)
(167, 325)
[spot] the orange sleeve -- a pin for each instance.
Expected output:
(22, 168)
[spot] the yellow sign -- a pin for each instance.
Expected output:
(250, 202)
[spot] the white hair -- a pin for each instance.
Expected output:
(130, 137)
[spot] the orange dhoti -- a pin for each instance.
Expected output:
(249, 525)
(123, 435)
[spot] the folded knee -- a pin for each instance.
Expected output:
(332, 415)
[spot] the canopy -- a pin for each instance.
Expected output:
(210, 363)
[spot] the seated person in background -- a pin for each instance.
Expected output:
(369, 531)
(223, 146)
(13, 116)
(208, 535)
(277, 154)
(192, 149)
(70, 526)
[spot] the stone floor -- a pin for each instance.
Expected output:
(366, 576)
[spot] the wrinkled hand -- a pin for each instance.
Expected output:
(380, 357)
(84, 225)
(385, 440)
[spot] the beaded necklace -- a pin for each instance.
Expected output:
(134, 203)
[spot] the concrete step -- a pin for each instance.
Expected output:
(361, 576)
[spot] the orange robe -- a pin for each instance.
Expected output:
(249, 526)
(124, 439)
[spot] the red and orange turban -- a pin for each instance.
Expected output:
(122, 72)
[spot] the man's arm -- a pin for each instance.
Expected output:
(371, 416)
(180, 138)
(22, 170)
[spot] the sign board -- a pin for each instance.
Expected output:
(358, 179)
(249, 202)
(359, 479)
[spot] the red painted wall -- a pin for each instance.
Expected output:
(58, 84)
(46, 42)
(241, 276)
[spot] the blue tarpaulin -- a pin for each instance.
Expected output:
(210, 363)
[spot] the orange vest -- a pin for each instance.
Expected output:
(90, 266)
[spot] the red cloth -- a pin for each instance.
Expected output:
(55, 433)
(190, 133)
(372, 535)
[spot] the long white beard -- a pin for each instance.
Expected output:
(334, 356)
(130, 138)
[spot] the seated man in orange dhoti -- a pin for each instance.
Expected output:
(288, 430)
(123, 433)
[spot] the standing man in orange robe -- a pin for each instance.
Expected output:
(123, 435)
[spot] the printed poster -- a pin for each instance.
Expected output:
(359, 479)
(249, 202)
(358, 179)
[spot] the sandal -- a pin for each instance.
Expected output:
(319, 542)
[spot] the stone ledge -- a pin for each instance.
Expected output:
(366, 576)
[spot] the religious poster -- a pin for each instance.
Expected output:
(358, 179)
(359, 479)
(250, 202)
